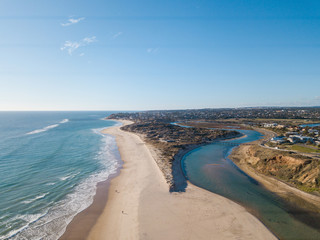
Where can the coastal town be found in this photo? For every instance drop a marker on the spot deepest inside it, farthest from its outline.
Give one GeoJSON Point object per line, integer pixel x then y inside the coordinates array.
{"type": "Point", "coordinates": [249, 115]}
{"type": "Point", "coordinates": [291, 125]}
{"type": "Point", "coordinates": [289, 133]}
{"type": "Point", "coordinates": [294, 128]}
{"type": "Point", "coordinates": [296, 137]}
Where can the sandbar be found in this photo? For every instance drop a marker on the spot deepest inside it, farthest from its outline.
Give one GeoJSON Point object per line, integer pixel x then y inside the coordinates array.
{"type": "Point", "coordinates": [140, 206]}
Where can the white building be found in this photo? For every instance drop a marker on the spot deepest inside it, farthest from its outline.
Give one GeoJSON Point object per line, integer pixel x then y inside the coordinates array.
{"type": "Point", "coordinates": [270, 125]}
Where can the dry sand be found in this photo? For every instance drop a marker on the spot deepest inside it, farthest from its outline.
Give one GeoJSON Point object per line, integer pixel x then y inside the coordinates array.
{"type": "Point", "coordinates": [140, 206]}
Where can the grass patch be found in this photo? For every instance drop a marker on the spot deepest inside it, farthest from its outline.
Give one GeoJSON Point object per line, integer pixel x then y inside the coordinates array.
{"type": "Point", "coordinates": [307, 189]}
{"type": "Point", "coordinates": [304, 149]}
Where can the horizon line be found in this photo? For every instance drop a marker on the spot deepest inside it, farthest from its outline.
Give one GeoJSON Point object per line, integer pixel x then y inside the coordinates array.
{"type": "Point", "coordinates": [173, 109]}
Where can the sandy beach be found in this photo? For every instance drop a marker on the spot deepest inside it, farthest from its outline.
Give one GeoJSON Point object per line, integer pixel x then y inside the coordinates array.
{"type": "Point", "coordinates": [139, 204]}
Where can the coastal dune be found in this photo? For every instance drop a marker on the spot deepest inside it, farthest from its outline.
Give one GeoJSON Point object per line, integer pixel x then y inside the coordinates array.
{"type": "Point", "coordinates": [140, 205]}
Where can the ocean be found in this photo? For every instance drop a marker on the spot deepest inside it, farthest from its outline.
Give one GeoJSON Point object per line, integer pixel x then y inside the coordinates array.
{"type": "Point", "coordinates": [50, 163]}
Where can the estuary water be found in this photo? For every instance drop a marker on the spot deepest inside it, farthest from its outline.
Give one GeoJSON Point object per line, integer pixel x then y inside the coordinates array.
{"type": "Point", "coordinates": [310, 125]}
{"type": "Point", "coordinates": [50, 163]}
{"type": "Point", "coordinates": [209, 167]}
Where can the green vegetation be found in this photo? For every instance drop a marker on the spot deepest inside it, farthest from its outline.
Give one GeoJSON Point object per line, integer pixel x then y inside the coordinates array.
{"type": "Point", "coordinates": [307, 189]}
{"type": "Point", "coordinates": [270, 144]}
{"type": "Point", "coordinates": [251, 116]}
{"type": "Point", "coordinates": [304, 149]}
{"type": "Point", "coordinates": [300, 148]}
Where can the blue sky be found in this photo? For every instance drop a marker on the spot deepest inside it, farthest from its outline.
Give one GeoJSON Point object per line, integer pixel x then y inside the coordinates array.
{"type": "Point", "coordinates": [168, 54]}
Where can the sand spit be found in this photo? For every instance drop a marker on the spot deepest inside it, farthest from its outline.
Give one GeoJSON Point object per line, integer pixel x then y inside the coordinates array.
{"type": "Point", "coordinates": [140, 206]}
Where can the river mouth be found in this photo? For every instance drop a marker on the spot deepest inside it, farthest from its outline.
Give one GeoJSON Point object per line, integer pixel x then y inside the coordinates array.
{"type": "Point", "coordinates": [209, 167]}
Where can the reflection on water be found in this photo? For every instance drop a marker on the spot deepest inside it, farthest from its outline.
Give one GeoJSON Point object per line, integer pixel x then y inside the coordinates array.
{"type": "Point", "coordinates": [209, 168]}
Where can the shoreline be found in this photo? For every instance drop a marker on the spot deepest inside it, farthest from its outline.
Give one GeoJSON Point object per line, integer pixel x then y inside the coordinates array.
{"type": "Point", "coordinates": [82, 223]}
{"type": "Point", "coordinates": [285, 191]}
{"type": "Point", "coordinates": [182, 153]}
{"type": "Point", "coordinates": [179, 177]}
{"type": "Point", "coordinates": [140, 206]}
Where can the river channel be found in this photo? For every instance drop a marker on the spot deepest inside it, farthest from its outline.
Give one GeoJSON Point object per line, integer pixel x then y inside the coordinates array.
{"type": "Point", "coordinates": [210, 168]}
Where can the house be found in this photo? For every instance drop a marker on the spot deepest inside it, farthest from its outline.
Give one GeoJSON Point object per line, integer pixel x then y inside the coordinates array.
{"type": "Point", "coordinates": [294, 138]}
{"type": "Point", "coordinates": [270, 125]}
{"type": "Point", "coordinates": [306, 139]}
{"type": "Point", "coordinates": [314, 131]}
{"type": "Point", "coordinates": [299, 139]}
{"type": "Point", "coordinates": [278, 140]}
{"type": "Point", "coordinates": [291, 133]}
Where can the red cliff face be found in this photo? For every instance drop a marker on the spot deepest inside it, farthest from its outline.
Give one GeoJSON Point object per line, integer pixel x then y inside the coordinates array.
{"type": "Point", "coordinates": [303, 172]}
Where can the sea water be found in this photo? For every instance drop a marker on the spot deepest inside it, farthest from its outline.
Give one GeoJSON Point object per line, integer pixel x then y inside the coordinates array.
{"type": "Point", "coordinates": [50, 163]}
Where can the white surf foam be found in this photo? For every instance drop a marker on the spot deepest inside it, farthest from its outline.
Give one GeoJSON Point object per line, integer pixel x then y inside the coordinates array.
{"type": "Point", "coordinates": [29, 219]}
{"type": "Point", "coordinates": [68, 176]}
{"type": "Point", "coordinates": [53, 224]}
{"type": "Point", "coordinates": [43, 129]}
{"type": "Point", "coordinates": [64, 121]}
{"type": "Point", "coordinates": [64, 178]}
{"type": "Point", "coordinates": [47, 127]}
{"type": "Point", "coordinates": [35, 198]}
{"type": "Point", "coordinates": [51, 183]}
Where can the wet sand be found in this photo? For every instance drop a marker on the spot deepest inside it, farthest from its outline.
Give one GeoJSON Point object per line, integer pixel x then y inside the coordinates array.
{"type": "Point", "coordinates": [81, 225]}
{"type": "Point", "coordinates": [140, 206]}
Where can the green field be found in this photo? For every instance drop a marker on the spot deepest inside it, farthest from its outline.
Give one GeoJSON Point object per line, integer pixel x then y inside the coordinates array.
{"type": "Point", "coordinates": [267, 120]}
{"type": "Point", "coordinates": [304, 149]}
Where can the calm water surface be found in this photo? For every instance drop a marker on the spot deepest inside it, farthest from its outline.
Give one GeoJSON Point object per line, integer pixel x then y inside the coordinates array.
{"type": "Point", "coordinates": [208, 167]}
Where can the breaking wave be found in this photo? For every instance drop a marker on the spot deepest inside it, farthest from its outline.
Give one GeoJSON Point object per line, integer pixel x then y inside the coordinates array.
{"type": "Point", "coordinates": [52, 224]}
{"type": "Point", "coordinates": [48, 127]}
{"type": "Point", "coordinates": [35, 198]}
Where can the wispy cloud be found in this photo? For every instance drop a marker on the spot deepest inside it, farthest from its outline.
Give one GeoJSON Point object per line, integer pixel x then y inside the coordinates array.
{"type": "Point", "coordinates": [117, 35]}
{"type": "Point", "coordinates": [152, 50]}
{"type": "Point", "coordinates": [70, 46]}
{"type": "Point", "coordinates": [72, 21]}
{"type": "Point", "coordinates": [88, 40]}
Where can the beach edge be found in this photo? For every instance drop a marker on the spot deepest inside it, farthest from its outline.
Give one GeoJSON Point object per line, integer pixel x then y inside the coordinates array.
{"type": "Point", "coordinates": [145, 209]}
